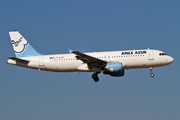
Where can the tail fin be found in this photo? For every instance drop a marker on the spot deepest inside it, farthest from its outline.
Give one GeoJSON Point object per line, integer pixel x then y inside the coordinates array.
{"type": "Point", "coordinates": [21, 47]}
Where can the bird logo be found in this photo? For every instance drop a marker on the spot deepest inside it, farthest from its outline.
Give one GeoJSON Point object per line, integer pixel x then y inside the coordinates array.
{"type": "Point", "coordinates": [16, 43]}
{"type": "Point", "coordinates": [19, 45]}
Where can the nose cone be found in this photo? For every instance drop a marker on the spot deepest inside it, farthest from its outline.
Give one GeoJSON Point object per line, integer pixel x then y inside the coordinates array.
{"type": "Point", "coordinates": [170, 60]}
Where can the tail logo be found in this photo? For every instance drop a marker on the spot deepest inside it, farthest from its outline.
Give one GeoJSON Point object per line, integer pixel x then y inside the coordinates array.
{"type": "Point", "coordinates": [16, 43]}
{"type": "Point", "coordinates": [20, 45]}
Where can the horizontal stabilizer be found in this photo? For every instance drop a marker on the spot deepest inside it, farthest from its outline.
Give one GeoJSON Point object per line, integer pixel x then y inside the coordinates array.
{"type": "Point", "coordinates": [18, 59]}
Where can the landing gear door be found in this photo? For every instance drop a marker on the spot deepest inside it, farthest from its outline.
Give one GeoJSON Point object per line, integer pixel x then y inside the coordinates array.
{"type": "Point", "coordinates": [150, 55]}
{"type": "Point", "coordinates": [41, 61]}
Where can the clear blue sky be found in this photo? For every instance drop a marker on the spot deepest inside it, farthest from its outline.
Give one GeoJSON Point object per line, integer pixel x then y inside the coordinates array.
{"type": "Point", "coordinates": [52, 27]}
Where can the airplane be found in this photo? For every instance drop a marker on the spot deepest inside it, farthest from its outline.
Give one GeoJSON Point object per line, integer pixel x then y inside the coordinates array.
{"type": "Point", "coordinates": [111, 63]}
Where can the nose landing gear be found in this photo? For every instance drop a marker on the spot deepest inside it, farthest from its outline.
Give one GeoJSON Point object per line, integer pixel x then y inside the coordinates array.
{"type": "Point", "coordinates": [152, 75]}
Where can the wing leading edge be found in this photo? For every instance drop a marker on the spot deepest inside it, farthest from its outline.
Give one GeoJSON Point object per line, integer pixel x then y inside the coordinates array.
{"type": "Point", "coordinates": [87, 58]}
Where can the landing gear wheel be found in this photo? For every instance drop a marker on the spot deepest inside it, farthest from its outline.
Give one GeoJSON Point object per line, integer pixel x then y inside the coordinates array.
{"type": "Point", "coordinates": [152, 75]}
{"type": "Point", "coordinates": [95, 77]}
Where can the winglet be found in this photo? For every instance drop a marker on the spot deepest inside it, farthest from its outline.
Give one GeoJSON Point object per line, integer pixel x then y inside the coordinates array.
{"type": "Point", "coordinates": [70, 51]}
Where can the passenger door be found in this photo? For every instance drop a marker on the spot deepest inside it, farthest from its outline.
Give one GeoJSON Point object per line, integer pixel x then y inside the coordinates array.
{"type": "Point", "coordinates": [150, 55]}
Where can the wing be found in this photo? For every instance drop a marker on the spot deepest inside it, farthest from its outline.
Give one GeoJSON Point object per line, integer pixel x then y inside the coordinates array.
{"type": "Point", "coordinates": [89, 59]}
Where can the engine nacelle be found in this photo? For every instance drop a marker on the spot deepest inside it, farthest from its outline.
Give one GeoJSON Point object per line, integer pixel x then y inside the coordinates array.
{"type": "Point", "coordinates": [113, 67]}
{"type": "Point", "coordinates": [115, 74]}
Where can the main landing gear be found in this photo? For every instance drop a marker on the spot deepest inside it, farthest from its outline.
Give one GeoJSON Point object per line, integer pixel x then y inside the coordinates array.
{"type": "Point", "coordinates": [95, 77]}
{"type": "Point", "coordinates": [152, 75]}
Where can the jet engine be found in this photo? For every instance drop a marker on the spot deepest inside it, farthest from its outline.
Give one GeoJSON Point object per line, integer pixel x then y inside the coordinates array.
{"type": "Point", "coordinates": [115, 74]}
{"type": "Point", "coordinates": [113, 67]}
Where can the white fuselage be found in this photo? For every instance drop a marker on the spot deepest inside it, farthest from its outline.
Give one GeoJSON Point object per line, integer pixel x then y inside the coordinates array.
{"type": "Point", "coordinates": [130, 59]}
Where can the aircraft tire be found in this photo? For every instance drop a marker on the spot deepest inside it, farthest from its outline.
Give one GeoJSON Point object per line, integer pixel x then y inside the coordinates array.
{"type": "Point", "coordinates": [95, 77]}
{"type": "Point", "coordinates": [152, 75]}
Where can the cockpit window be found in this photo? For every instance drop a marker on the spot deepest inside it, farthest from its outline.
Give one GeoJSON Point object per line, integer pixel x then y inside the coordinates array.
{"type": "Point", "coordinates": [162, 54]}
